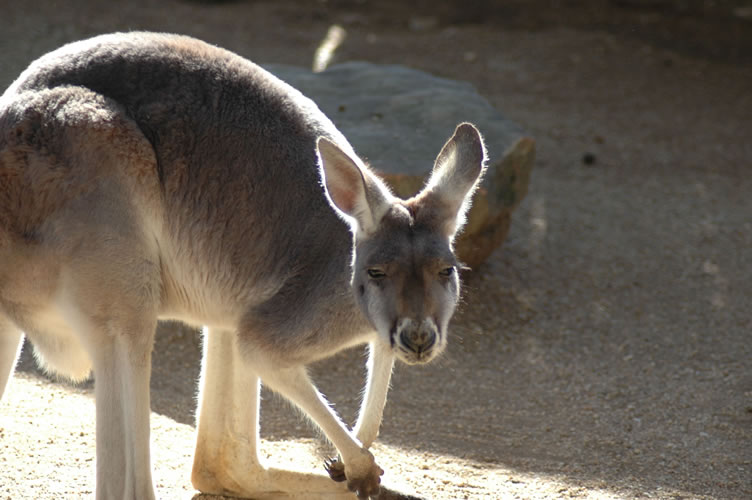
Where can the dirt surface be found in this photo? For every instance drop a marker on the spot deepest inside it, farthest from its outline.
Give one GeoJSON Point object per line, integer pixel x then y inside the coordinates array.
{"type": "Point", "coordinates": [603, 352]}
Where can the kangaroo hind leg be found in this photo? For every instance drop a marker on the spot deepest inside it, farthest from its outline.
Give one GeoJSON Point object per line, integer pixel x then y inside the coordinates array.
{"type": "Point", "coordinates": [11, 340]}
{"type": "Point", "coordinates": [122, 368]}
{"type": "Point", "coordinates": [226, 460]}
{"type": "Point", "coordinates": [226, 457]}
{"type": "Point", "coordinates": [90, 212]}
{"type": "Point", "coordinates": [118, 331]}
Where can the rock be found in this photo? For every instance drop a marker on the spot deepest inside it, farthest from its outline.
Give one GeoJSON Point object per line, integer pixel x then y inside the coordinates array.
{"type": "Point", "coordinates": [398, 118]}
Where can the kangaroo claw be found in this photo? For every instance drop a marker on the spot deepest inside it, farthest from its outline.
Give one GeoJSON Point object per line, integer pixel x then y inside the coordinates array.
{"type": "Point", "coordinates": [335, 468]}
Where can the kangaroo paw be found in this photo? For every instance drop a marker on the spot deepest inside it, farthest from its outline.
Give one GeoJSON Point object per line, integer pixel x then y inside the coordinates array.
{"type": "Point", "coordinates": [363, 475]}
{"type": "Point", "coordinates": [335, 468]}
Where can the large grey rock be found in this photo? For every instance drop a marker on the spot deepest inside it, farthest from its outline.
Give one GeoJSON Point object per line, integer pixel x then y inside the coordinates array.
{"type": "Point", "coordinates": [398, 119]}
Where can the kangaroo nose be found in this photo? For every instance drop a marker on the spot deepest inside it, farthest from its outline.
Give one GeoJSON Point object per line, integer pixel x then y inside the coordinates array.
{"type": "Point", "coordinates": [419, 339]}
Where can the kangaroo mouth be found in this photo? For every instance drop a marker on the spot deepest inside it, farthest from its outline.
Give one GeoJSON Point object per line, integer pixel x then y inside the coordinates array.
{"type": "Point", "coordinates": [415, 359]}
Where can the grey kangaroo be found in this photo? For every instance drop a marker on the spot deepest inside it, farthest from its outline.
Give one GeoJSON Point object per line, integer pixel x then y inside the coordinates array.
{"type": "Point", "coordinates": [151, 176]}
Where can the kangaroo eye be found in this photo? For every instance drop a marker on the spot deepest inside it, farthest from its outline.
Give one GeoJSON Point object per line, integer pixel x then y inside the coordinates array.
{"type": "Point", "coordinates": [376, 274]}
{"type": "Point", "coordinates": [446, 272]}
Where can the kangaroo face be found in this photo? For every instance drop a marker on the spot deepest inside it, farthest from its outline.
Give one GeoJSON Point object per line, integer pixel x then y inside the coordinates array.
{"type": "Point", "coordinates": [404, 272]}
{"type": "Point", "coordinates": [405, 281]}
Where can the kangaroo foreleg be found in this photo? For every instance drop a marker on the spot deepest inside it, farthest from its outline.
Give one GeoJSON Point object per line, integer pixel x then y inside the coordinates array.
{"type": "Point", "coordinates": [361, 471]}
{"type": "Point", "coordinates": [380, 364]}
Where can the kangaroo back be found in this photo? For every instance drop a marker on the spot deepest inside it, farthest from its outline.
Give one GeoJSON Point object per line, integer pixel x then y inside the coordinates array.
{"type": "Point", "coordinates": [235, 186]}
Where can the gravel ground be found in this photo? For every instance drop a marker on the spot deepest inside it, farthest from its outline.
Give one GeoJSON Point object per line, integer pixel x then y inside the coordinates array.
{"type": "Point", "coordinates": [603, 352]}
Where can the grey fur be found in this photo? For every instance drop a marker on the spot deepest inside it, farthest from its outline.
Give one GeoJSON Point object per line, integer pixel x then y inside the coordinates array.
{"type": "Point", "coordinates": [148, 176]}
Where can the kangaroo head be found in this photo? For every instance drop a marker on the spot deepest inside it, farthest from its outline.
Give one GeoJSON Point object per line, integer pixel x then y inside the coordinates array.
{"type": "Point", "coordinates": [404, 271]}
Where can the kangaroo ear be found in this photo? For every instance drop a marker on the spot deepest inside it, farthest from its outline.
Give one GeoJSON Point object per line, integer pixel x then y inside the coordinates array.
{"type": "Point", "coordinates": [353, 191]}
{"type": "Point", "coordinates": [456, 173]}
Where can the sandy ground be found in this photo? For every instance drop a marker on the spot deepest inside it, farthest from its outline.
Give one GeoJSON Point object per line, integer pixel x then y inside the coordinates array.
{"type": "Point", "coordinates": [603, 352]}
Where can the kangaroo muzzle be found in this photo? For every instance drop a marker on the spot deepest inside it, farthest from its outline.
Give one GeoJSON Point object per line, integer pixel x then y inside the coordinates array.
{"type": "Point", "coordinates": [417, 340]}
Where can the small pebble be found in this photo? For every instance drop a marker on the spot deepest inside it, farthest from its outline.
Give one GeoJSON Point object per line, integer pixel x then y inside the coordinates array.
{"type": "Point", "coordinates": [423, 23]}
{"type": "Point", "coordinates": [588, 159]}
